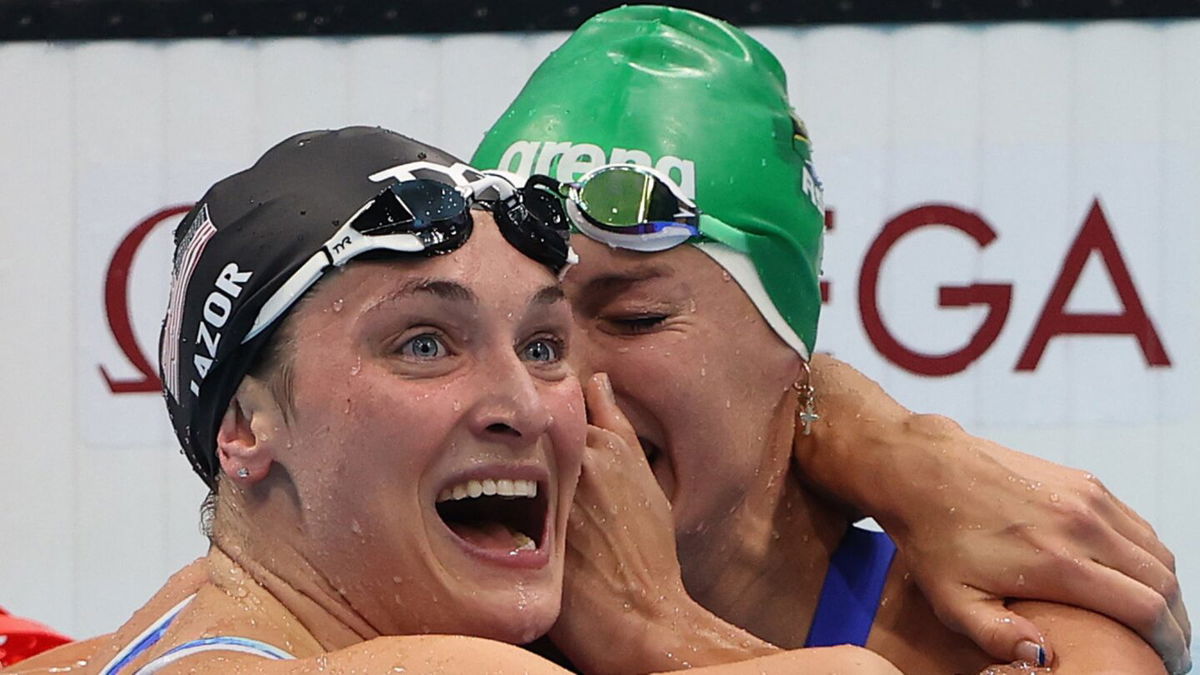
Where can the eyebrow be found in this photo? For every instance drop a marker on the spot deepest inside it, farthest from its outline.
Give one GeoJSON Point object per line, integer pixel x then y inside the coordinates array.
{"type": "Point", "coordinates": [439, 288]}
{"type": "Point", "coordinates": [456, 292]}
{"type": "Point", "coordinates": [616, 281]}
{"type": "Point", "coordinates": [548, 296]}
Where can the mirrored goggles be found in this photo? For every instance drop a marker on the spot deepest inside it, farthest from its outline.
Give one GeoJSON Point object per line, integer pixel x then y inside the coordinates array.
{"type": "Point", "coordinates": [629, 206]}
{"type": "Point", "coordinates": [428, 217]}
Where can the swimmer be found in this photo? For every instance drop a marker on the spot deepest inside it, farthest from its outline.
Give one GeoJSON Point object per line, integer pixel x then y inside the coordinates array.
{"type": "Point", "coordinates": [364, 357]}
{"type": "Point", "coordinates": [713, 376]}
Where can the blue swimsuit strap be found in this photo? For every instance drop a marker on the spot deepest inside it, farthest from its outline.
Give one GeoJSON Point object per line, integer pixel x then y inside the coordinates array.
{"type": "Point", "coordinates": [146, 640]}
{"type": "Point", "coordinates": [154, 633]}
{"type": "Point", "coordinates": [853, 587]}
{"type": "Point", "coordinates": [224, 643]}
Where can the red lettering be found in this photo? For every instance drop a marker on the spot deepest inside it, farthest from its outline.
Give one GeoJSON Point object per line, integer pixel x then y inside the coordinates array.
{"type": "Point", "coordinates": [116, 307]}
{"type": "Point", "coordinates": [1096, 235]}
{"type": "Point", "coordinates": [997, 297]}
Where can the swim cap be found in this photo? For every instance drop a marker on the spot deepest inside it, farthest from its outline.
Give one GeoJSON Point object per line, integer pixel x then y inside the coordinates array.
{"type": "Point", "coordinates": [245, 238]}
{"type": "Point", "coordinates": [705, 104]}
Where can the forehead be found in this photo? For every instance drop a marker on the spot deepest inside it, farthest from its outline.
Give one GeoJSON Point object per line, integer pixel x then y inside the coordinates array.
{"type": "Point", "coordinates": [486, 269]}
{"type": "Point", "coordinates": [602, 267]}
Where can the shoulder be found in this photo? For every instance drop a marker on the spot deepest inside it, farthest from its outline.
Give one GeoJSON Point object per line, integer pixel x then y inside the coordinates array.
{"type": "Point", "coordinates": [410, 654]}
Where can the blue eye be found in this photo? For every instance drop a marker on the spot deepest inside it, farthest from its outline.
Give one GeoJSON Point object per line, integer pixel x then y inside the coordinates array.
{"type": "Point", "coordinates": [542, 349]}
{"type": "Point", "coordinates": [423, 347]}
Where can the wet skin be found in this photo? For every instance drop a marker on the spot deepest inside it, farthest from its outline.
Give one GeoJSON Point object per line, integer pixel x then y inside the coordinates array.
{"type": "Point", "coordinates": [408, 378]}
{"type": "Point", "coordinates": [707, 387]}
{"type": "Point", "coordinates": [703, 379]}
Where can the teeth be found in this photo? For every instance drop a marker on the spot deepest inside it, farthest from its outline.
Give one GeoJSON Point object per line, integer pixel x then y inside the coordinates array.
{"type": "Point", "coordinates": [523, 542]}
{"type": "Point", "coordinates": [503, 487]}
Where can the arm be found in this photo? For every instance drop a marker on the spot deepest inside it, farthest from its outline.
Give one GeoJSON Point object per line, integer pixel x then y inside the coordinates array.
{"type": "Point", "coordinates": [1093, 644]}
{"type": "Point", "coordinates": [623, 580]}
{"type": "Point", "coordinates": [1090, 644]}
{"type": "Point", "coordinates": [411, 654]}
{"type": "Point", "coordinates": [814, 661]}
{"type": "Point", "coordinates": [1021, 539]}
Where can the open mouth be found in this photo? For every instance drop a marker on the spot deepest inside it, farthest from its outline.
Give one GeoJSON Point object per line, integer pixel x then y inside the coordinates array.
{"type": "Point", "coordinates": [496, 515]}
{"type": "Point", "coordinates": [653, 452]}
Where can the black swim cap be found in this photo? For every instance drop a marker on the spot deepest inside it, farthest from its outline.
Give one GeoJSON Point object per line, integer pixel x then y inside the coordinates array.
{"type": "Point", "coordinates": [242, 240]}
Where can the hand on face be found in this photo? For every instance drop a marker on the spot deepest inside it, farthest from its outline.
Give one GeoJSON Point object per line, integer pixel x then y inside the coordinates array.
{"type": "Point", "coordinates": [622, 571]}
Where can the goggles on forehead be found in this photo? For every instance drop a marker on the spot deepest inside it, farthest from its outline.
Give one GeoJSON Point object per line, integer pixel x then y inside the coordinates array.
{"type": "Point", "coordinates": [634, 207]}
{"type": "Point", "coordinates": [421, 216]}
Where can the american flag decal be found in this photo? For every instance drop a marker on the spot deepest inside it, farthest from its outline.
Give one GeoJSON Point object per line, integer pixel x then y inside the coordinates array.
{"type": "Point", "coordinates": [187, 254]}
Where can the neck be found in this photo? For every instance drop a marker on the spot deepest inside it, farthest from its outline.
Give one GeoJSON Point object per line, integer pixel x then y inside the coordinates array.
{"type": "Point", "coordinates": [766, 571]}
{"type": "Point", "coordinates": [249, 559]}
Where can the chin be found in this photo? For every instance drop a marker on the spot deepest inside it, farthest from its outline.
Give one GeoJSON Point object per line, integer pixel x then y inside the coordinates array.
{"type": "Point", "coordinates": [522, 616]}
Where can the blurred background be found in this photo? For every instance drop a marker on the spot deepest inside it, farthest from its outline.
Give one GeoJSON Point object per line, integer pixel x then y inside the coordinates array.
{"type": "Point", "coordinates": [1013, 238]}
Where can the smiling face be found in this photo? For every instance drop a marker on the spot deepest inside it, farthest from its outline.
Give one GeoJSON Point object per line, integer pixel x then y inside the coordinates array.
{"type": "Point", "coordinates": [700, 374]}
{"type": "Point", "coordinates": [434, 440]}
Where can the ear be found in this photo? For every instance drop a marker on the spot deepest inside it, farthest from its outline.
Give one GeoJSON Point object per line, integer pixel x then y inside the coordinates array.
{"type": "Point", "coordinates": [249, 433]}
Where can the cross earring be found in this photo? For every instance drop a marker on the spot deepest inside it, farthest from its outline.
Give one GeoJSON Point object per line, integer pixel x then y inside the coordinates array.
{"type": "Point", "coordinates": [807, 399]}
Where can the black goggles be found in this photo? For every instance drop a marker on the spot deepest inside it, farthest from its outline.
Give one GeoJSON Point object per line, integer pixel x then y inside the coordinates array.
{"type": "Point", "coordinates": [428, 217]}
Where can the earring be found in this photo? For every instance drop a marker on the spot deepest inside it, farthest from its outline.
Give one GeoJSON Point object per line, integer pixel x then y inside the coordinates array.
{"type": "Point", "coordinates": [243, 472]}
{"type": "Point", "coordinates": [807, 400]}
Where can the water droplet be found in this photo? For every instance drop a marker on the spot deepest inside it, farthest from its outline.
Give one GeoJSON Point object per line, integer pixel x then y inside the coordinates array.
{"type": "Point", "coordinates": [1054, 497]}
{"type": "Point", "coordinates": [337, 304]}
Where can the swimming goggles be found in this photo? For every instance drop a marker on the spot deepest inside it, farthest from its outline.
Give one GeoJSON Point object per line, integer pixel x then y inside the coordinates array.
{"type": "Point", "coordinates": [429, 217]}
{"type": "Point", "coordinates": [634, 207]}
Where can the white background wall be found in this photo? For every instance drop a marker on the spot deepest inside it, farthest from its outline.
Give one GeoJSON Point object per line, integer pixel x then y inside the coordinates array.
{"type": "Point", "coordinates": [1024, 124]}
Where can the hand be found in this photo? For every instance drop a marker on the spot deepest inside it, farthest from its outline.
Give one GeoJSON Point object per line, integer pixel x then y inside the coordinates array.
{"type": "Point", "coordinates": [622, 578]}
{"type": "Point", "coordinates": [979, 523]}
{"type": "Point", "coordinates": [621, 568]}
{"type": "Point", "coordinates": [1010, 525]}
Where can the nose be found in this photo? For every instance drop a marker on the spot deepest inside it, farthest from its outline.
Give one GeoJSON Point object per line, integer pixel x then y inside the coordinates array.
{"type": "Point", "coordinates": [510, 408]}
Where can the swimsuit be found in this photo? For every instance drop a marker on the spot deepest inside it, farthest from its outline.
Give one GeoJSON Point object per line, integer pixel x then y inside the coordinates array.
{"type": "Point", "coordinates": [853, 586]}
{"type": "Point", "coordinates": [154, 633]}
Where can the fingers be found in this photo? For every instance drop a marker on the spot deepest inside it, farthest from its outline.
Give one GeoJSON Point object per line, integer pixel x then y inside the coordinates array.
{"type": "Point", "coordinates": [1003, 634]}
{"type": "Point", "coordinates": [604, 412]}
{"type": "Point", "coordinates": [1126, 544]}
{"type": "Point", "coordinates": [1133, 561]}
{"type": "Point", "coordinates": [1126, 521]}
{"type": "Point", "coordinates": [1110, 592]}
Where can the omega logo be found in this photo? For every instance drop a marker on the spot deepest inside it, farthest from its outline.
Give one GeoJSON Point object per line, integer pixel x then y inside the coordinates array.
{"type": "Point", "coordinates": [1054, 320]}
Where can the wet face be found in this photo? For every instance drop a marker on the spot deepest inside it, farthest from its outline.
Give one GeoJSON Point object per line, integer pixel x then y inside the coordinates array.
{"type": "Point", "coordinates": [698, 371]}
{"type": "Point", "coordinates": [435, 439]}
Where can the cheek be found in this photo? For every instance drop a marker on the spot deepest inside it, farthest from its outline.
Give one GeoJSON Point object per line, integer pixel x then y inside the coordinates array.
{"type": "Point", "coordinates": [568, 433]}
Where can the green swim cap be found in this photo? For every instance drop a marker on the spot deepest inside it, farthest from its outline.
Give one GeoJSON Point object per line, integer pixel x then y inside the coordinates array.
{"type": "Point", "coordinates": [705, 104]}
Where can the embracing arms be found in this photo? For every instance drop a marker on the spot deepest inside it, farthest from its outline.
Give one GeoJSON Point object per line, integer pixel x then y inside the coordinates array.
{"type": "Point", "coordinates": [882, 461]}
